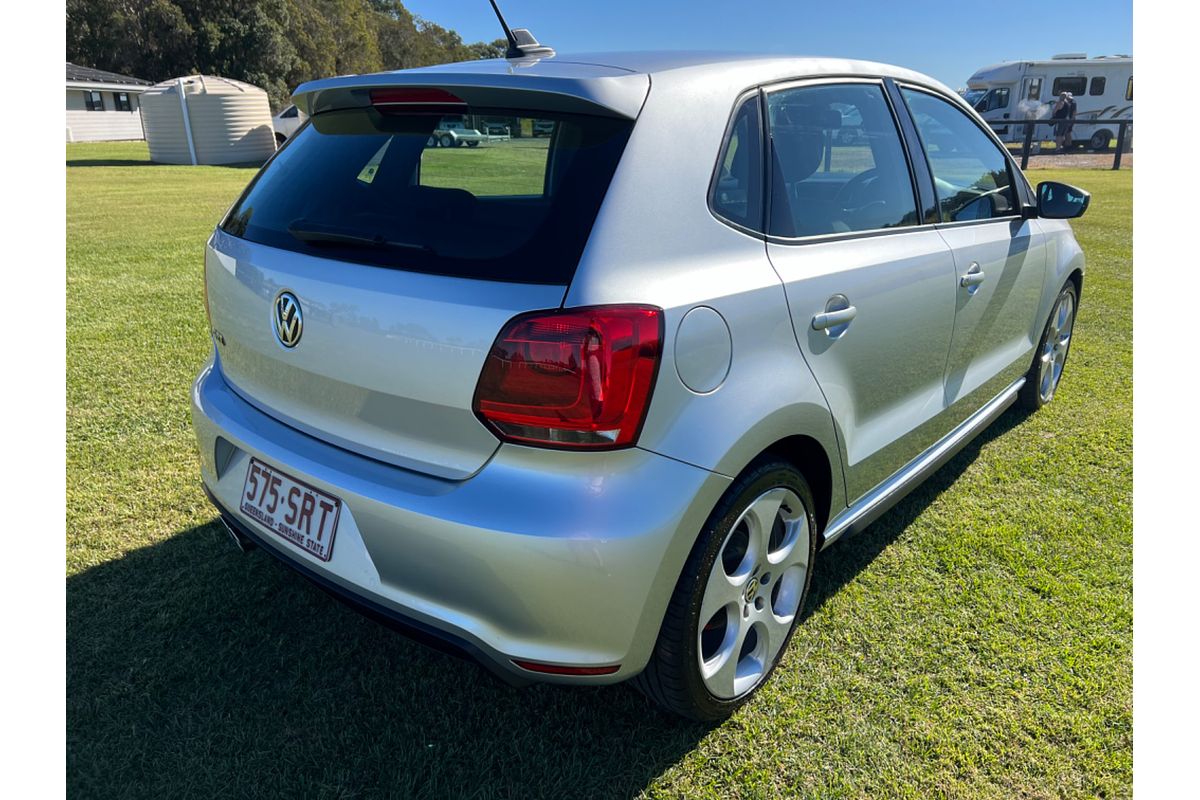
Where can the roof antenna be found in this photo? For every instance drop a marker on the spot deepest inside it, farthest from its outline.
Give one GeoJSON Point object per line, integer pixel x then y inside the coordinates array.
{"type": "Point", "coordinates": [521, 43]}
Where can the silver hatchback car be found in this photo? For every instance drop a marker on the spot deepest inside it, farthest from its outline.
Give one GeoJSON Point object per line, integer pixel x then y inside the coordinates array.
{"type": "Point", "coordinates": [587, 405]}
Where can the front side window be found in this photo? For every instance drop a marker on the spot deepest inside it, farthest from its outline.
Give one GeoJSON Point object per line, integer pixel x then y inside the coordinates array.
{"type": "Point", "coordinates": [94, 101]}
{"type": "Point", "coordinates": [121, 101]}
{"type": "Point", "coordinates": [737, 187]}
{"type": "Point", "coordinates": [365, 185]}
{"type": "Point", "coordinates": [837, 162]}
{"type": "Point", "coordinates": [1072, 85]}
{"type": "Point", "coordinates": [970, 172]}
{"type": "Point", "coordinates": [1097, 86]}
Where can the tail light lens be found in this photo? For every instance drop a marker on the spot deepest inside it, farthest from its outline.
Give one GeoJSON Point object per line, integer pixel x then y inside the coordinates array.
{"type": "Point", "coordinates": [579, 378]}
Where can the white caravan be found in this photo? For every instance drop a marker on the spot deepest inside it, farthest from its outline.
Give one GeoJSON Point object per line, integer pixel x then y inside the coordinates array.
{"type": "Point", "coordinates": [1102, 87]}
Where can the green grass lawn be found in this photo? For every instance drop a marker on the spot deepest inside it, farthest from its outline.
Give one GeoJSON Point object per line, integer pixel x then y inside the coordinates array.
{"type": "Point", "coordinates": [975, 642]}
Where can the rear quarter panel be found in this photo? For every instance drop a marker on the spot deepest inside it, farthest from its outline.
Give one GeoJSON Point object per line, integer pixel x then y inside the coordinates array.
{"type": "Point", "coordinates": [655, 241]}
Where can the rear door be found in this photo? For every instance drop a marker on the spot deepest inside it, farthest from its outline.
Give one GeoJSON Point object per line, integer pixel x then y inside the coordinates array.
{"type": "Point", "coordinates": [999, 257]}
{"type": "Point", "coordinates": [870, 287]}
{"type": "Point", "coordinates": [357, 286]}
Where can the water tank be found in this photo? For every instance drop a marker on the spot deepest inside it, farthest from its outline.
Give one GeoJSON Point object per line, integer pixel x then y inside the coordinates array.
{"type": "Point", "coordinates": [229, 121]}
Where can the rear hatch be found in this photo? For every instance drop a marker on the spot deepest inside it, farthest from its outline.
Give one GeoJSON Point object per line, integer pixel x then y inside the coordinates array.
{"type": "Point", "coordinates": [356, 287]}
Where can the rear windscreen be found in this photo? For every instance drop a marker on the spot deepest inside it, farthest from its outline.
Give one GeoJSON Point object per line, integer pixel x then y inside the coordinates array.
{"type": "Point", "coordinates": [480, 195]}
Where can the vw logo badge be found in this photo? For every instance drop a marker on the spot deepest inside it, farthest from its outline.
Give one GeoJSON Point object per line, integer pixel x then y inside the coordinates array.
{"type": "Point", "coordinates": [287, 320]}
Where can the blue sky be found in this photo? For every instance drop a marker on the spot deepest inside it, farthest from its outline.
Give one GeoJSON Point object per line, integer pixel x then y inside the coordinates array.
{"type": "Point", "coordinates": [946, 40]}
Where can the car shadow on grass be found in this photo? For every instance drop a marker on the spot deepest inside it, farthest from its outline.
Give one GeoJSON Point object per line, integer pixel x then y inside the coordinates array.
{"type": "Point", "coordinates": [845, 559]}
{"type": "Point", "coordinates": [194, 670]}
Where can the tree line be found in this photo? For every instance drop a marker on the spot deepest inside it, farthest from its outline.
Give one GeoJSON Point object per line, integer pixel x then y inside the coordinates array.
{"type": "Point", "coordinates": [273, 44]}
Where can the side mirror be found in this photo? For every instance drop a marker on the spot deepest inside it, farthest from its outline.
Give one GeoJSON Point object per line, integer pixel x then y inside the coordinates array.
{"type": "Point", "coordinates": [1061, 201]}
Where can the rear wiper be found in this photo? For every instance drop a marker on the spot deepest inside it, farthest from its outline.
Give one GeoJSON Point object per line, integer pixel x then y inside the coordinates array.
{"type": "Point", "coordinates": [337, 238]}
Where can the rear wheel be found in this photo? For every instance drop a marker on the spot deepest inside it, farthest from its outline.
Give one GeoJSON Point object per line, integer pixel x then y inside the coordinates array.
{"type": "Point", "coordinates": [432, 142]}
{"type": "Point", "coordinates": [472, 144]}
{"type": "Point", "coordinates": [1100, 140]}
{"type": "Point", "coordinates": [1050, 358]}
{"type": "Point", "coordinates": [739, 596]}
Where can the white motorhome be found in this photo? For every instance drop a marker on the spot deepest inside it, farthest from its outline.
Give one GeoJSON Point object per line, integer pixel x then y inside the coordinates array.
{"type": "Point", "coordinates": [1102, 88]}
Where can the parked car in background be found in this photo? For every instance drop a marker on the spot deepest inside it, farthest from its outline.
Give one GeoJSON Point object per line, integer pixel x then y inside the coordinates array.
{"type": "Point", "coordinates": [543, 127]}
{"type": "Point", "coordinates": [287, 122]}
{"type": "Point", "coordinates": [453, 133]}
{"type": "Point", "coordinates": [594, 416]}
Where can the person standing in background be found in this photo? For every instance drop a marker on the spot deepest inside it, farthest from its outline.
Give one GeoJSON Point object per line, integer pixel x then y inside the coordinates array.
{"type": "Point", "coordinates": [1064, 116]}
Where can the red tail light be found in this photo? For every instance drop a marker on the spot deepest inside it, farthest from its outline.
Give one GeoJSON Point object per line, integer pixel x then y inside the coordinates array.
{"type": "Point", "coordinates": [417, 100]}
{"type": "Point", "coordinates": [579, 378]}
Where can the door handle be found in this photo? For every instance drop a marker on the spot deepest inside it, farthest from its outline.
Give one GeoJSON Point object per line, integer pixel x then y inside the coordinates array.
{"type": "Point", "coordinates": [835, 318]}
{"type": "Point", "coordinates": [973, 277]}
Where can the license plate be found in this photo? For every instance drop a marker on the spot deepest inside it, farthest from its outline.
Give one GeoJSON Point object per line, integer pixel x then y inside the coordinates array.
{"type": "Point", "coordinates": [291, 509]}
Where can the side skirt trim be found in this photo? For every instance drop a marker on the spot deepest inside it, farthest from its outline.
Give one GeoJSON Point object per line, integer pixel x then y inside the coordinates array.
{"type": "Point", "coordinates": [874, 503]}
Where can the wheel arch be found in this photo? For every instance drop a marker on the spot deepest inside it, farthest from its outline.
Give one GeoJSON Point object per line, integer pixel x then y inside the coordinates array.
{"type": "Point", "coordinates": [808, 456]}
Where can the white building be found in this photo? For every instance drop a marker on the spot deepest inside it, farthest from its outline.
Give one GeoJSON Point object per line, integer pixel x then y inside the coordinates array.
{"type": "Point", "coordinates": [103, 106]}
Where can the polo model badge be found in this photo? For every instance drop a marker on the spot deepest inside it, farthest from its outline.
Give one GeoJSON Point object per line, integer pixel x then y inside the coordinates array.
{"type": "Point", "coordinates": [287, 320]}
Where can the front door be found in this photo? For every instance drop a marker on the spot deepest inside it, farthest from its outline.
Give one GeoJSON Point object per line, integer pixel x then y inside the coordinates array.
{"type": "Point", "coordinates": [871, 293]}
{"type": "Point", "coordinates": [999, 257]}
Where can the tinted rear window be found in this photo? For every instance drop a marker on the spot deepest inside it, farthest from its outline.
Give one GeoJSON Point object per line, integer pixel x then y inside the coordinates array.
{"type": "Point", "coordinates": [438, 194]}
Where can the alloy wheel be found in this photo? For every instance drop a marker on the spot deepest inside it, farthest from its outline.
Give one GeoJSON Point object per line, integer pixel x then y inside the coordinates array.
{"type": "Point", "coordinates": [1054, 350]}
{"type": "Point", "coordinates": [753, 593]}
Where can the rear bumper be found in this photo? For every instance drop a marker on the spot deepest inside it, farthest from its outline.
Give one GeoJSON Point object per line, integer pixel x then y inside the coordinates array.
{"type": "Point", "coordinates": [546, 556]}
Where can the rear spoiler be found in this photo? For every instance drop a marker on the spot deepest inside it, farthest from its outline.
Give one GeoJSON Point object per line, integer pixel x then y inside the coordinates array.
{"type": "Point", "coordinates": [571, 88]}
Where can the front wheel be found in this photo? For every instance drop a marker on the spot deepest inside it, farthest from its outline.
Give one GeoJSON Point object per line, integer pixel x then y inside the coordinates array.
{"type": "Point", "coordinates": [1050, 357]}
{"type": "Point", "coordinates": [447, 140]}
{"type": "Point", "coordinates": [472, 144]}
{"type": "Point", "coordinates": [738, 599]}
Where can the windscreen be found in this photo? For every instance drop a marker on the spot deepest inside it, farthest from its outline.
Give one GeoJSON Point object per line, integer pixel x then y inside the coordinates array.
{"type": "Point", "coordinates": [490, 193]}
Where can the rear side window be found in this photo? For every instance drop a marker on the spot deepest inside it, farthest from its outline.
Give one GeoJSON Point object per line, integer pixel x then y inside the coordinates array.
{"type": "Point", "coordinates": [432, 193]}
{"type": "Point", "coordinates": [737, 187]}
{"type": "Point", "coordinates": [1097, 86]}
{"type": "Point", "coordinates": [837, 162]}
{"type": "Point", "coordinates": [970, 173]}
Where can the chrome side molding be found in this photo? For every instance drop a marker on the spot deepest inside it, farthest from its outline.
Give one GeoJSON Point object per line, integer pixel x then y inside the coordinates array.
{"type": "Point", "coordinates": [874, 503]}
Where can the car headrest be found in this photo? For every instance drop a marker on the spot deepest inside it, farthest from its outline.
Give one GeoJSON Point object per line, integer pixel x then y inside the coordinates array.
{"type": "Point", "coordinates": [798, 151]}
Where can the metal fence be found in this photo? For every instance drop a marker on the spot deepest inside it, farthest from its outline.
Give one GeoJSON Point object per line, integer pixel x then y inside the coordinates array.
{"type": "Point", "coordinates": [1030, 126]}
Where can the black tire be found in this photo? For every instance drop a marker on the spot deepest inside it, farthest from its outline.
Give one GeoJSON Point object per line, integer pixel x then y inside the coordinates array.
{"type": "Point", "coordinates": [672, 678]}
{"type": "Point", "coordinates": [1031, 395]}
{"type": "Point", "coordinates": [432, 142]}
{"type": "Point", "coordinates": [472, 144]}
{"type": "Point", "coordinates": [446, 140]}
{"type": "Point", "coordinates": [1100, 141]}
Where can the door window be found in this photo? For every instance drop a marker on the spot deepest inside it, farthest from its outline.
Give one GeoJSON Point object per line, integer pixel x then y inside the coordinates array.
{"type": "Point", "coordinates": [970, 172]}
{"type": "Point", "coordinates": [1097, 86]}
{"type": "Point", "coordinates": [1035, 89]}
{"type": "Point", "coordinates": [837, 162]}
